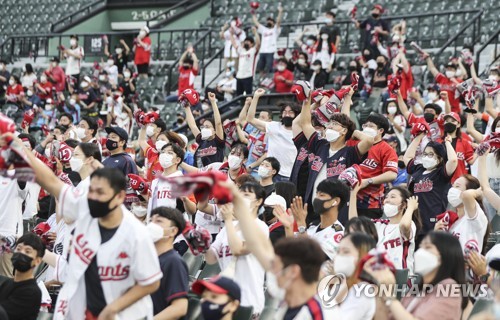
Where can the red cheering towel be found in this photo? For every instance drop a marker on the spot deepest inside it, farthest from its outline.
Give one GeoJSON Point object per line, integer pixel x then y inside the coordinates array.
{"type": "Point", "coordinates": [449, 217]}
{"type": "Point", "coordinates": [198, 238]}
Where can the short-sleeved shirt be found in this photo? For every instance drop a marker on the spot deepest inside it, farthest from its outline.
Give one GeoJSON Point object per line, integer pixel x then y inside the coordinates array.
{"type": "Point", "coordinates": [368, 26]}
{"type": "Point", "coordinates": [329, 238]}
{"type": "Point", "coordinates": [449, 86]}
{"type": "Point", "coordinates": [257, 143]}
{"type": "Point", "coordinates": [470, 231]}
{"type": "Point", "coordinates": [319, 155]}
{"type": "Point", "coordinates": [120, 62]}
{"type": "Point", "coordinates": [175, 281]}
{"type": "Point", "coordinates": [88, 96]}
{"type": "Point", "coordinates": [74, 64]}
{"type": "Point", "coordinates": [229, 50]}
{"type": "Point", "coordinates": [300, 171]}
{"type": "Point", "coordinates": [280, 145]}
{"type": "Point", "coordinates": [59, 78]}
{"type": "Point", "coordinates": [269, 38]}
{"type": "Point", "coordinates": [143, 55]}
{"type": "Point", "coordinates": [280, 85]}
{"type": "Point", "coordinates": [431, 188]}
{"type": "Point", "coordinates": [381, 158]}
{"type": "Point", "coordinates": [399, 249]}
{"type": "Point", "coordinates": [20, 299]}
{"type": "Point", "coordinates": [186, 78]}
{"type": "Point", "coordinates": [465, 155]}
{"type": "Point", "coordinates": [379, 79]}
{"type": "Point", "coordinates": [246, 63]}
{"type": "Point", "coordinates": [121, 161]}
{"type": "Point", "coordinates": [333, 32]}
{"type": "Point", "coordinates": [210, 151]}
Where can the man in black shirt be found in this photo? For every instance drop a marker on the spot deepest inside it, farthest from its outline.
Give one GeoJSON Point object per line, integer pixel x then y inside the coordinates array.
{"type": "Point", "coordinates": [374, 28]}
{"type": "Point", "coordinates": [268, 169]}
{"type": "Point", "coordinates": [332, 30]}
{"type": "Point", "coordinates": [20, 297]}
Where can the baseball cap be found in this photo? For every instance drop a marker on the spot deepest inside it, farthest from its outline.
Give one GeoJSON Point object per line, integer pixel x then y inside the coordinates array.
{"type": "Point", "coordinates": [273, 199]}
{"type": "Point", "coordinates": [184, 138]}
{"type": "Point", "coordinates": [218, 284]}
{"type": "Point", "coordinates": [87, 79]}
{"type": "Point", "coordinates": [391, 139]}
{"type": "Point", "coordinates": [119, 131]}
{"type": "Point", "coordinates": [453, 115]}
{"type": "Point", "coordinates": [433, 86]}
{"type": "Point", "coordinates": [451, 65]}
{"type": "Point", "coordinates": [379, 7]}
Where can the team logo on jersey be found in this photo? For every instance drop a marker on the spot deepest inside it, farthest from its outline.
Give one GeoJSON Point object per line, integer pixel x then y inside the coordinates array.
{"type": "Point", "coordinates": [209, 151]}
{"type": "Point", "coordinates": [302, 154]}
{"type": "Point", "coordinates": [425, 185]}
{"type": "Point", "coordinates": [82, 251]}
{"type": "Point", "coordinates": [63, 305]}
{"type": "Point", "coordinates": [114, 273]}
{"type": "Point", "coordinates": [123, 255]}
{"type": "Point", "coordinates": [335, 168]}
{"type": "Point", "coordinates": [337, 237]}
{"type": "Point", "coordinates": [316, 164]}
{"type": "Point", "coordinates": [370, 163]}
{"type": "Point", "coordinates": [460, 156]}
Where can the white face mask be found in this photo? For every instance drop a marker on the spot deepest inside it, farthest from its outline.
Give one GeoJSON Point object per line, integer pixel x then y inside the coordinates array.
{"type": "Point", "coordinates": [315, 67]}
{"type": "Point", "coordinates": [118, 50]}
{"type": "Point", "coordinates": [328, 20]}
{"type": "Point", "coordinates": [54, 64]}
{"type": "Point", "coordinates": [390, 210]}
{"type": "Point", "coordinates": [43, 79]}
{"type": "Point", "coordinates": [48, 107]}
{"type": "Point", "coordinates": [324, 36]}
{"type": "Point", "coordinates": [345, 265]}
{"type": "Point", "coordinates": [392, 110]}
{"type": "Point", "coordinates": [126, 75]}
{"type": "Point", "coordinates": [160, 144]}
{"type": "Point", "coordinates": [111, 62]}
{"type": "Point", "coordinates": [84, 84]}
{"type": "Point", "coordinates": [309, 42]}
{"type": "Point", "coordinates": [228, 74]}
{"type": "Point", "coordinates": [263, 172]}
{"type": "Point", "coordinates": [142, 34]}
{"type": "Point", "coordinates": [233, 161]}
{"type": "Point", "coordinates": [29, 93]}
{"type": "Point", "coordinates": [72, 42]}
{"type": "Point", "coordinates": [492, 77]}
{"type": "Point", "coordinates": [72, 102]}
{"type": "Point", "coordinates": [155, 231]}
{"type": "Point", "coordinates": [102, 77]}
{"type": "Point", "coordinates": [432, 96]}
{"type": "Point", "coordinates": [11, 172]}
{"type": "Point", "coordinates": [150, 131]}
{"type": "Point", "coordinates": [281, 68]}
{"type": "Point", "coordinates": [370, 132]}
{"type": "Point", "coordinates": [166, 160]}
{"type": "Point", "coordinates": [206, 133]}
{"type": "Point", "coordinates": [331, 135]}
{"type": "Point", "coordinates": [450, 74]}
{"type": "Point", "coordinates": [301, 61]}
{"type": "Point", "coordinates": [138, 210]}
{"type": "Point", "coordinates": [75, 164]}
{"type": "Point", "coordinates": [429, 162]}
{"type": "Point", "coordinates": [273, 288]}
{"type": "Point", "coordinates": [80, 133]}
{"type": "Point", "coordinates": [12, 82]}
{"type": "Point", "coordinates": [454, 197]}
{"type": "Point", "coordinates": [425, 262]}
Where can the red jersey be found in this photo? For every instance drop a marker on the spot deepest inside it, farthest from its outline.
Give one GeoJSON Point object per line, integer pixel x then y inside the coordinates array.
{"type": "Point", "coordinates": [280, 85]}
{"type": "Point", "coordinates": [449, 86]}
{"type": "Point", "coordinates": [152, 164]}
{"type": "Point", "coordinates": [143, 55]}
{"type": "Point", "coordinates": [465, 154]}
{"type": "Point", "coordinates": [13, 92]}
{"type": "Point", "coordinates": [381, 158]}
{"type": "Point", "coordinates": [186, 79]}
{"type": "Point", "coordinates": [47, 86]}
{"type": "Point", "coordinates": [406, 82]}
{"type": "Point", "coordinates": [59, 77]}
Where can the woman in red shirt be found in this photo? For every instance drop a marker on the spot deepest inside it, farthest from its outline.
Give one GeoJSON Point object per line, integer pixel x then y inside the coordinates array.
{"type": "Point", "coordinates": [143, 52]}
{"type": "Point", "coordinates": [14, 90]}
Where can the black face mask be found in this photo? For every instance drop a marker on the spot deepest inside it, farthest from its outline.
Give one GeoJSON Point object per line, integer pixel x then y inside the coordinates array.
{"type": "Point", "coordinates": [429, 117]}
{"type": "Point", "coordinates": [269, 25]}
{"type": "Point", "coordinates": [268, 214]}
{"type": "Point", "coordinates": [352, 68]}
{"type": "Point", "coordinates": [449, 127]}
{"type": "Point", "coordinates": [380, 65]}
{"type": "Point", "coordinates": [375, 15]}
{"type": "Point", "coordinates": [287, 121]}
{"type": "Point", "coordinates": [185, 67]}
{"type": "Point", "coordinates": [21, 262]}
{"type": "Point", "coordinates": [180, 120]}
{"type": "Point", "coordinates": [100, 209]}
{"type": "Point", "coordinates": [401, 164]}
{"type": "Point", "coordinates": [246, 46]}
{"type": "Point", "coordinates": [212, 311]}
{"type": "Point", "coordinates": [319, 206]}
{"type": "Point", "coordinates": [111, 145]}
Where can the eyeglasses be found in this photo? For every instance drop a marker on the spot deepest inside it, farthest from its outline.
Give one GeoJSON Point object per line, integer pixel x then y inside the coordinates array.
{"type": "Point", "coordinates": [334, 124]}
{"type": "Point", "coordinates": [369, 125]}
{"type": "Point", "coordinates": [429, 155]}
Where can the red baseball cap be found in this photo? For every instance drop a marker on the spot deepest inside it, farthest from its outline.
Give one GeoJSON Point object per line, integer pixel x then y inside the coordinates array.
{"type": "Point", "coordinates": [453, 115]}
{"type": "Point", "coordinates": [379, 7]}
{"type": "Point", "coordinates": [218, 284]}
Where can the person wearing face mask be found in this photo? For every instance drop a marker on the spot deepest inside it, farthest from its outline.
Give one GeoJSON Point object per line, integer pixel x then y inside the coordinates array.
{"type": "Point", "coordinates": [220, 297]}
{"type": "Point", "coordinates": [85, 160]}
{"type": "Point", "coordinates": [433, 94]}
{"type": "Point", "coordinates": [74, 56]}
{"type": "Point", "coordinates": [472, 224]}
{"type": "Point", "coordinates": [324, 51]}
{"type": "Point", "coordinates": [331, 154]}
{"type": "Point", "coordinates": [210, 135]}
{"type": "Point", "coordinates": [14, 90]}
{"type": "Point", "coordinates": [374, 28]}
{"type": "Point", "coordinates": [306, 46]}
{"type": "Point", "coordinates": [29, 76]}
{"type": "Point", "coordinates": [397, 123]}
{"type": "Point", "coordinates": [319, 77]}
{"type": "Point", "coordinates": [247, 50]}
{"type": "Point", "coordinates": [120, 55]}
{"type": "Point", "coordinates": [170, 300]}
{"type": "Point", "coordinates": [274, 203]}
{"type": "Point", "coordinates": [350, 305]}
{"type": "Point", "coordinates": [440, 262]}
{"type": "Point", "coordinates": [227, 86]}
{"type": "Point", "coordinates": [268, 169]}
{"type": "Point", "coordinates": [72, 107]}
{"type": "Point", "coordinates": [430, 180]}
{"type": "Point", "coordinates": [283, 78]}
{"type": "Point", "coordinates": [230, 53]}
{"type": "Point", "coordinates": [89, 97]}
{"type": "Point", "coordinates": [170, 158]}
{"type": "Point", "coordinates": [378, 168]}
{"type": "Point", "coordinates": [188, 70]}
{"type": "Point", "coordinates": [142, 49]}
{"type": "Point", "coordinates": [460, 142]}
{"type": "Point", "coordinates": [447, 82]}
{"type": "Point", "coordinates": [381, 74]}
{"type": "Point", "coordinates": [302, 67]}
{"type": "Point", "coordinates": [280, 136]}
{"type": "Point", "coordinates": [44, 88]}
{"type": "Point", "coordinates": [354, 68]}
{"type": "Point", "coordinates": [31, 99]}
{"type": "Point", "coordinates": [232, 253]}
{"type": "Point", "coordinates": [396, 233]}
{"type": "Point", "coordinates": [20, 297]}
{"type": "Point", "coordinates": [106, 231]}
{"type": "Point", "coordinates": [55, 74]}
{"type": "Point", "coordinates": [270, 33]}
{"type": "Point", "coordinates": [331, 29]}
{"type": "Point", "coordinates": [127, 85]}
{"type": "Point", "coordinates": [112, 71]}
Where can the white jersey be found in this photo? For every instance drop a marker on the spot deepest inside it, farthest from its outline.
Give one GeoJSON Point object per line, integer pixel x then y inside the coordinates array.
{"type": "Point", "coordinates": [399, 249]}
{"type": "Point", "coordinates": [32, 192]}
{"type": "Point", "coordinates": [356, 307]}
{"type": "Point", "coordinates": [246, 63]}
{"type": "Point", "coordinates": [249, 274]}
{"type": "Point", "coordinates": [269, 38]}
{"type": "Point", "coordinates": [280, 145]}
{"type": "Point", "coordinates": [208, 221]}
{"type": "Point", "coordinates": [311, 310]}
{"type": "Point", "coordinates": [127, 259]}
{"type": "Point", "coordinates": [470, 231]}
{"type": "Point", "coordinates": [329, 238]}
{"type": "Point", "coordinates": [73, 65]}
{"type": "Point", "coordinates": [160, 194]}
{"type": "Point", "coordinates": [11, 215]}
{"type": "Point", "coordinates": [229, 50]}
{"type": "Point", "coordinates": [59, 228]}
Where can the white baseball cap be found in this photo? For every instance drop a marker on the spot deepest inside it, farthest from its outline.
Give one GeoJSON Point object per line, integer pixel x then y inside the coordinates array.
{"type": "Point", "coordinates": [184, 138]}
{"type": "Point", "coordinates": [274, 200]}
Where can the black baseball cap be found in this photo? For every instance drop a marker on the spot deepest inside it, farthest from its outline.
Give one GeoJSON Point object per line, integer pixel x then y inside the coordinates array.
{"type": "Point", "coordinates": [218, 284]}
{"type": "Point", "coordinates": [119, 131]}
{"type": "Point", "coordinates": [55, 59]}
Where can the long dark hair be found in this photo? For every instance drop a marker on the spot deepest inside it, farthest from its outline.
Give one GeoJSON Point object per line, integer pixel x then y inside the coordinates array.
{"type": "Point", "coordinates": [497, 151]}
{"type": "Point", "coordinates": [406, 194]}
{"type": "Point", "coordinates": [286, 189]}
{"type": "Point", "coordinates": [319, 44]}
{"type": "Point", "coordinates": [363, 225]}
{"type": "Point", "coordinates": [452, 260]}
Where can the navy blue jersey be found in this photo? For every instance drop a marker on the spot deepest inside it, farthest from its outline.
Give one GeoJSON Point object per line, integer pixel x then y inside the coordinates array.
{"type": "Point", "coordinates": [210, 151]}
{"type": "Point", "coordinates": [300, 170]}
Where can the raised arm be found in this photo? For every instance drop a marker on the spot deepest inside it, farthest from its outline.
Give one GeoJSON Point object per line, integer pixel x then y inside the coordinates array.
{"type": "Point", "coordinates": [488, 106]}
{"type": "Point", "coordinates": [243, 113]}
{"type": "Point", "coordinates": [365, 141]}
{"type": "Point", "coordinates": [469, 199]}
{"type": "Point", "coordinates": [219, 130]}
{"type": "Point", "coordinates": [196, 64]}
{"type": "Point", "coordinates": [257, 38]}
{"type": "Point", "coordinates": [430, 65]}
{"type": "Point", "coordinates": [353, 202]}
{"type": "Point", "coordinates": [482, 175]}
{"type": "Point", "coordinates": [280, 15]}
{"type": "Point", "coordinates": [412, 149]}
{"type": "Point", "coordinates": [473, 74]}
{"type": "Point", "coordinates": [402, 106]}
{"type": "Point", "coordinates": [236, 244]}
{"type": "Point", "coordinates": [405, 222]}
{"type": "Point", "coordinates": [447, 105]}
{"type": "Point", "coordinates": [191, 122]}
{"type": "Point", "coordinates": [305, 119]}
{"type": "Point", "coordinates": [451, 164]}
{"type": "Point", "coordinates": [127, 48]}
{"type": "Point", "coordinates": [472, 130]}
{"type": "Point", "coordinates": [241, 133]}
{"type": "Point", "coordinates": [255, 21]}
{"type": "Point", "coordinates": [298, 39]}
{"type": "Point", "coordinates": [346, 107]}
{"type": "Point", "coordinates": [259, 124]}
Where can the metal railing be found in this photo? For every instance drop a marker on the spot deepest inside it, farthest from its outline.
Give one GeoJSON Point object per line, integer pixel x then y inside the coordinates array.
{"type": "Point", "coordinates": [495, 38]}
{"type": "Point", "coordinates": [218, 56]}
{"type": "Point", "coordinates": [78, 16]}
{"type": "Point", "coordinates": [167, 15]}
